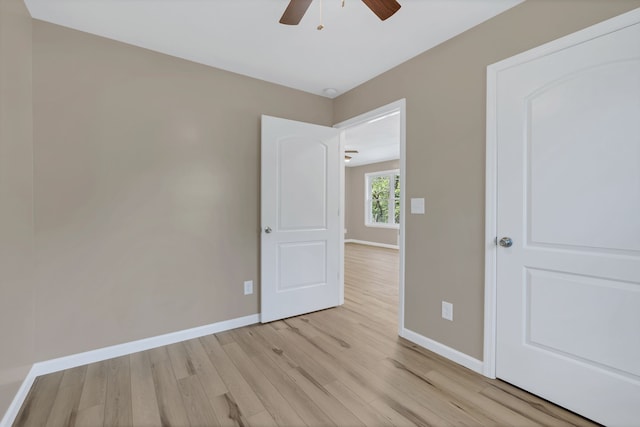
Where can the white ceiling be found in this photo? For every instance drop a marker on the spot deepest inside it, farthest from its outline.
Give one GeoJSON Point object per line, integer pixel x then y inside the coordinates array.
{"type": "Point", "coordinates": [376, 141]}
{"type": "Point", "coordinates": [244, 36]}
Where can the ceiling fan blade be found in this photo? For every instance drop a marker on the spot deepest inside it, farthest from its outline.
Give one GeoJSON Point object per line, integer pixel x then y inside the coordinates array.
{"type": "Point", "coordinates": [383, 8]}
{"type": "Point", "coordinates": [295, 11]}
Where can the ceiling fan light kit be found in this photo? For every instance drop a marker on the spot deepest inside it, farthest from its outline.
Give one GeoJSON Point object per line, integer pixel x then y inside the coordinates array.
{"type": "Point", "coordinates": [296, 9]}
{"type": "Point", "coordinates": [347, 157]}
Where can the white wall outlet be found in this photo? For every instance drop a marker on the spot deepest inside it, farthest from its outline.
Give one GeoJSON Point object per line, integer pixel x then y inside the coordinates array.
{"type": "Point", "coordinates": [447, 310]}
{"type": "Point", "coordinates": [248, 287]}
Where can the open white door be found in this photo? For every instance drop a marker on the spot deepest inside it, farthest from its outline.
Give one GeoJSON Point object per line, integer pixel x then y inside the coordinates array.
{"type": "Point", "coordinates": [568, 225]}
{"type": "Point", "coordinates": [300, 245]}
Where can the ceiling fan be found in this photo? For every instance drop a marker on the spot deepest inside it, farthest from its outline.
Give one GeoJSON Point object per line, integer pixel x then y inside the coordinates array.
{"type": "Point", "coordinates": [347, 157]}
{"type": "Point", "coordinates": [297, 8]}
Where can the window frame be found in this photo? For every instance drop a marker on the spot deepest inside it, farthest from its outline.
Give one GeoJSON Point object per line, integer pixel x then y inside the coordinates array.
{"type": "Point", "coordinates": [368, 177]}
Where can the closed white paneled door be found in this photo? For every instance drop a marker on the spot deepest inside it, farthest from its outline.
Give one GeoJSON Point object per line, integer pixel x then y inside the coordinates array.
{"type": "Point", "coordinates": [568, 209]}
{"type": "Point", "coordinates": [300, 245]}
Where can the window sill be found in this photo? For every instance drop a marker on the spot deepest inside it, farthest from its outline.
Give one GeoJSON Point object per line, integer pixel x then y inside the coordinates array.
{"type": "Point", "coordinates": [390, 226]}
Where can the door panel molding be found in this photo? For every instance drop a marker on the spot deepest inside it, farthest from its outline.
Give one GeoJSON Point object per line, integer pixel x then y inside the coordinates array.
{"type": "Point", "coordinates": [300, 251]}
{"type": "Point", "coordinates": [493, 71]}
{"type": "Point", "coordinates": [560, 321]}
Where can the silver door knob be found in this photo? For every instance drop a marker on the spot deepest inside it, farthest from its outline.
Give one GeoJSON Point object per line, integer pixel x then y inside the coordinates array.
{"type": "Point", "coordinates": [268, 230]}
{"type": "Point", "coordinates": [506, 242]}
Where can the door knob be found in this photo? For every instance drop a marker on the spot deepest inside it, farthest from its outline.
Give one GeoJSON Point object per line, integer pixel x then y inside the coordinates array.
{"type": "Point", "coordinates": [268, 230]}
{"type": "Point", "coordinates": [506, 242]}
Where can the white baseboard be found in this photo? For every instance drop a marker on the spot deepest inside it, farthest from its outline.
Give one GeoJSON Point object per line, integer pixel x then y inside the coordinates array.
{"type": "Point", "coordinates": [74, 360]}
{"type": "Point", "coordinates": [364, 242]}
{"type": "Point", "coordinates": [16, 403]}
{"type": "Point", "coordinates": [444, 351]}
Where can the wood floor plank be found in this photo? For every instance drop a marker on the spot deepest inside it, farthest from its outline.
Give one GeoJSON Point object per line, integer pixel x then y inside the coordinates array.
{"type": "Point", "coordinates": [170, 404]}
{"type": "Point", "coordinates": [180, 361]}
{"type": "Point", "coordinates": [344, 366]}
{"type": "Point", "coordinates": [398, 399]}
{"type": "Point", "coordinates": [197, 405]}
{"type": "Point", "coordinates": [263, 419]}
{"type": "Point", "coordinates": [95, 386]}
{"type": "Point", "coordinates": [37, 406]}
{"type": "Point", "coordinates": [366, 413]}
{"type": "Point", "coordinates": [345, 340]}
{"type": "Point", "coordinates": [240, 392]}
{"type": "Point", "coordinates": [454, 411]}
{"type": "Point", "coordinates": [270, 397]}
{"type": "Point", "coordinates": [541, 404]}
{"type": "Point", "coordinates": [291, 391]}
{"type": "Point", "coordinates": [210, 378]}
{"type": "Point", "coordinates": [225, 337]}
{"type": "Point", "coordinates": [92, 416]}
{"type": "Point", "coordinates": [523, 407]}
{"type": "Point", "coordinates": [118, 403]}
{"type": "Point", "coordinates": [500, 413]}
{"type": "Point", "coordinates": [299, 358]}
{"type": "Point", "coordinates": [277, 354]}
{"type": "Point", "coordinates": [357, 381]}
{"type": "Point", "coordinates": [229, 412]}
{"type": "Point", "coordinates": [65, 406]}
{"type": "Point", "coordinates": [252, 343]}
{"type": "Point", "coordinates": [393, 416]}
{"type": "Point", "coordinates": [144, 402]}
{"type": "Point", "coordinates": [340, 415]}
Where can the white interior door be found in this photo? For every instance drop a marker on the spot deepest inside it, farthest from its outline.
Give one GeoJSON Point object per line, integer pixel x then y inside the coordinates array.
{"type": "Point", "coordinates": [300, 250]}
{"type": "Point", "coordinates": [568, 289]}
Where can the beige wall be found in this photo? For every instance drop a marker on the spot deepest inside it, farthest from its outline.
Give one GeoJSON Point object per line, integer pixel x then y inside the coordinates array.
{"type": "Point", "coordinates": [354, 205]}
{"type": "Point", "coordinates": [446, 92]}
{"type": "Point", "coordinates": [146, 188]}
{"type": "Point", "coordinates": [16, 200]}
{"type": "Point", "coordinates": [147, 181]}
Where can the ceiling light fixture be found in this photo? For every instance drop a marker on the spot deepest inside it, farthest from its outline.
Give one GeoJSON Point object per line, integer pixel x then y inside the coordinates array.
{"type": "Point", "coordinates": [330, 91]}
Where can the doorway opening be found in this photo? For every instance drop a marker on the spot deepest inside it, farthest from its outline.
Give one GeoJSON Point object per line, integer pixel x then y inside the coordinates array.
{"type": "Point", "coordinates": [373, 200]}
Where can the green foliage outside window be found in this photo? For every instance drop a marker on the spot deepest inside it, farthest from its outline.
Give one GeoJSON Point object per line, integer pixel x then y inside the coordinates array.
{"type": "Point", "coordinates": [382, 199]}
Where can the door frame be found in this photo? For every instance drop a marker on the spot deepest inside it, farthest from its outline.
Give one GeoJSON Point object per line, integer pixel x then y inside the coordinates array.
{"type": "Point", "coordinates": [491, 254]}
{"type": "Point", "coordinates": [400, 106]}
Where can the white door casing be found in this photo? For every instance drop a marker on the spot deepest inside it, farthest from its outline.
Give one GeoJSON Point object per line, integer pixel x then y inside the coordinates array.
{"type": "Point", "coordinates": [301, 222]}
{"type": "Point", "coordinates": [565, 127]}
{"type": "Point", "coordinates": [396, 106]}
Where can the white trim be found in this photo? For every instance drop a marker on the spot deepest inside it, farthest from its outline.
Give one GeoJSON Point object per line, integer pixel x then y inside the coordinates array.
{"type": "Point", "coordinates": [379, 245]}
{"type": "Point", "coordinates": [401, 106]}
{"type": "Point", "coordinates": [74, 360]}
{"type": "Point", "coordinates": [403, 208]}
{"type": "Point", "coordinates": [582, 36]}
{"type": "Point", "coordinates": [12, 412]}
{"type": "Point", "coordinates": [490, 233]}
{"type": "Point", "coordinates": [342, 208]}
{"type": "Point", "coordinates": [444, 351]}
{"type": "Point", "coordinates": [381, 225]}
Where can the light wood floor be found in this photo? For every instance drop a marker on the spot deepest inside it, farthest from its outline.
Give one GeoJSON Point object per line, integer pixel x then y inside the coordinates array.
{"type": "Point", "coordinates": [343, 366]}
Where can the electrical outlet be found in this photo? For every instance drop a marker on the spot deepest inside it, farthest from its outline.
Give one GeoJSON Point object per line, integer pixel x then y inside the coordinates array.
{"type": "Point", "coordinates": [447, 310]}
{"type": "Point", "coordinates": [248, 287]}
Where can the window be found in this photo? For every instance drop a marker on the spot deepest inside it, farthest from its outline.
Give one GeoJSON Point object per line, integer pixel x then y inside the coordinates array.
{"type": "Point", "coordinates": [382, 202]}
